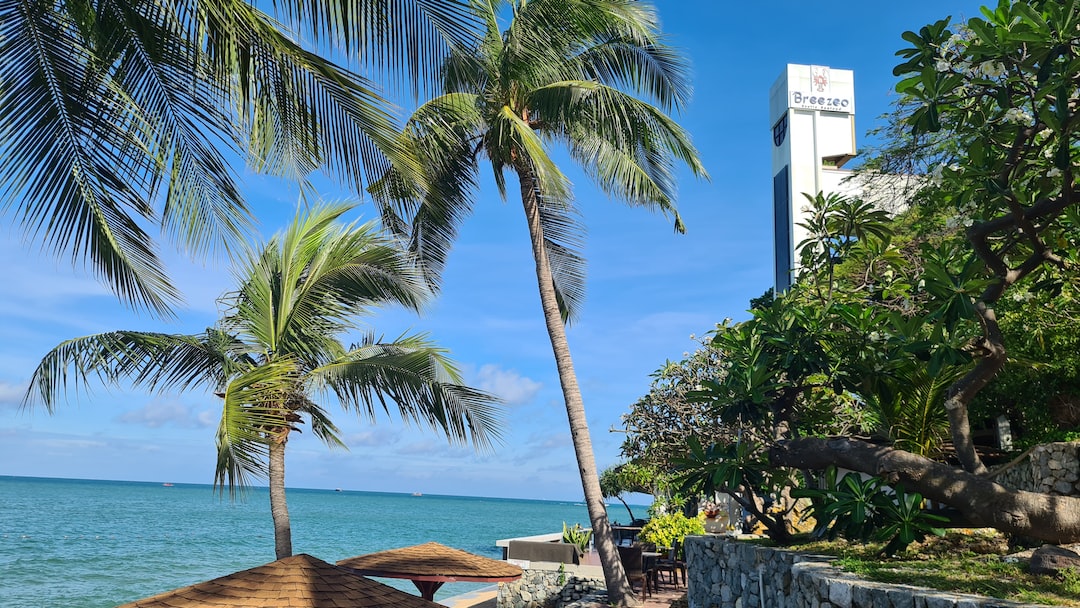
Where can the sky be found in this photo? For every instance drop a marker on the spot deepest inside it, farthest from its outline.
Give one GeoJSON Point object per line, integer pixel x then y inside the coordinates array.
{"type": "Point", "coordinates": [649, 290]}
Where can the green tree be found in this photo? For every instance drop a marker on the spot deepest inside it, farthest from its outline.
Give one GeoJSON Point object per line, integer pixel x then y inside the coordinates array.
{"type": "Point", "coordinates": [121, 118]}
{"type": "Point", "coordinates": [629, 477]}
{"type": "Point", "coordinates": [277, 348]}
{"type": "Point", "coordinates": [562, 72]}
{"type": "Point", "coordinates": [1002, 88]}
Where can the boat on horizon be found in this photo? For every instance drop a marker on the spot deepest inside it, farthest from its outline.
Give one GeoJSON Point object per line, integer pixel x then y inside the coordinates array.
{"type": "Point", "coordinates": [417, 494]}
{"type": "Point", "coordinates": [167, 485]}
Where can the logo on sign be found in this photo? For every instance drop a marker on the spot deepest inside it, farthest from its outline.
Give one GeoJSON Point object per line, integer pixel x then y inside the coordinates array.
{"type": "Point", "coordinates": [820, 77]}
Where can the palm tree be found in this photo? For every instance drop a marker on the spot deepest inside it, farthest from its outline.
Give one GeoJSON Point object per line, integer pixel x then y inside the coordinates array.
{"type": "Point", "coordinates": [563, 71]}
{"type": "Point", "coordinates": [277, 347]}
{"type": "Point", "coordinates": [122, 118]}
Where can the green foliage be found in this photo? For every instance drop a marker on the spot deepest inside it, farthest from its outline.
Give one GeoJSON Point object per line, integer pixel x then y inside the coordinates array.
{"type": "Point", "coordinates": [666, 530]}
{"type": "Point", "coordinates": [863, 509]}
{"type": "Point", "coordinates": [577, 536]}
{"type": "Point", "coordinates": [177, 90]}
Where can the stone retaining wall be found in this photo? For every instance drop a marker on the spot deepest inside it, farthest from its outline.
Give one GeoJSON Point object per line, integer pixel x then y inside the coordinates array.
{"type": "Point", "coordinates": [724, 573]}
{"type": "Point", "coordinates": [1051, 468]}
{"type": "Point", "coordinates": [541, 587]}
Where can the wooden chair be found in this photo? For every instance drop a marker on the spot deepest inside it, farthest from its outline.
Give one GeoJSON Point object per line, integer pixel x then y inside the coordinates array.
{"type": "Point", "coordinates": [673, 564]}
{"type": "Point", "coordinates": [634, 565]}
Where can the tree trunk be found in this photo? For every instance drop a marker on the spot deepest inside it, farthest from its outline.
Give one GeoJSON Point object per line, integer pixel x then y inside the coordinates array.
{"type": "Point", "coordinates": [278, 509]}
{"type": "Point", "coordinates": [618, 587]}
{"type": "Point", "coordinates": [1054, 519]}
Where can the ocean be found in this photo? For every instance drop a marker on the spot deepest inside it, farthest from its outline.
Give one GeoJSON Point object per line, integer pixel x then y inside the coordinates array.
{"type": "Point", "coordinates": [67, 543]}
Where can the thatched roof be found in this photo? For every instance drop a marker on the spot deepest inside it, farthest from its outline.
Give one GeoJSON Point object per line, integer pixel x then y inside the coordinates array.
{"type": "Point", "coordinates": [300, 581]}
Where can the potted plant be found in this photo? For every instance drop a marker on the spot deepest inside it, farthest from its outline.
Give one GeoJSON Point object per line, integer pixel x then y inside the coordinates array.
{"type": "Point", "coordinates": [577, 536]}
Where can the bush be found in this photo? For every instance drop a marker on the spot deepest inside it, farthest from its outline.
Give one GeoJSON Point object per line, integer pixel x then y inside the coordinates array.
{"type": "Point", "coordinates": [665, 530]}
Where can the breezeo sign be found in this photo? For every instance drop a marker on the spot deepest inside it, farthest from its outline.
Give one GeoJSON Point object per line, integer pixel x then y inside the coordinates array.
{"type": "Point", "coordinates": [810, 101]}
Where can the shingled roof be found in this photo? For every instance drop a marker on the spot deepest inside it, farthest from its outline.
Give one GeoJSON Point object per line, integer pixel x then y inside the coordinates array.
{"type": "Point", "coordinates": [300, 581]}
{"type": "Point", "coordinates": [432, 560]}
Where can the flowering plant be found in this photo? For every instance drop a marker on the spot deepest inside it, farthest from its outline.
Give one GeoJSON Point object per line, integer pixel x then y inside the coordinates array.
{"type": "Point", "coordinates": [710, 509]}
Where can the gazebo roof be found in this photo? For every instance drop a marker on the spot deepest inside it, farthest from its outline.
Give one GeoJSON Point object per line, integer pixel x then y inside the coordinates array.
{"type": "Point", "coordinates": [433, 562]}
{"type": "Point", "coordinates": [300, 581]}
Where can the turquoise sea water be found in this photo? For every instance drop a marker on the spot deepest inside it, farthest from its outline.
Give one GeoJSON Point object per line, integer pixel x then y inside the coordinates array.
{"type": "Point", "coordinates": [94, 544]}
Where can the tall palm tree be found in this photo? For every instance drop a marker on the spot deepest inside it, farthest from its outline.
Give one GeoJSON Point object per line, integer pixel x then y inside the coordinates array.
{"type": "Point", "coordinates": [123, 118]}
{"type": "Point", "coordinates": [277, 347]}
{"type": "Point", "coordinates": [563, 72]}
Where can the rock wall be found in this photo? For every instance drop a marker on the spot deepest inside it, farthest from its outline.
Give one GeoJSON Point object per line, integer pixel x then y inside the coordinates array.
{"type": "Point", "coordinates": [549, 588]}
{"type": "Point", "coordinates": [1051, 468]}
{"type": "Point", "coordinates": [724, 573]}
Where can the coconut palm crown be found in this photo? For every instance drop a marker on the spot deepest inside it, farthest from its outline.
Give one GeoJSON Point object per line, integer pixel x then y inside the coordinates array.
{"type": "Point", "coordinates": [277, 348]}
{"type": "Point", "coordinates": [592, 77]}
{"type": "Point", "coordinates": [123, 119]}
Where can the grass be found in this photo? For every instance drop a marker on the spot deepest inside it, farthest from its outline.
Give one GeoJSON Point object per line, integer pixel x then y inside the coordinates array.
{"type": "Point", "coordinates": [963, 561]}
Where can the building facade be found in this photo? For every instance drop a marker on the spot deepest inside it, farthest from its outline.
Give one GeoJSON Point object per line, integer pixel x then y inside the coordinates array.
{"type": "Point", "coordinates": [812, 108]}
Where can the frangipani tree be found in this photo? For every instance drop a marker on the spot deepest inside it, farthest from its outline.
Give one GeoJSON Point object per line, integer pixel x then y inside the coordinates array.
{"type": "Point", "coordinates": [1003, 88]}
{"type": "Point", "coordinates": [276, 354]}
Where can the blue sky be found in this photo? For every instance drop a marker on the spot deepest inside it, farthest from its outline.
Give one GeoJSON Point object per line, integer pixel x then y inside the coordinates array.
{"type": "Point", "coordinates": [648, 289]}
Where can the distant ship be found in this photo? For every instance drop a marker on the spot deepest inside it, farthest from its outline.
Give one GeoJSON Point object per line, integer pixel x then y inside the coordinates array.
{"type": "Point", "coordinates": [167, 485]}
{"type": "Point", "coordinates": [417, 494]}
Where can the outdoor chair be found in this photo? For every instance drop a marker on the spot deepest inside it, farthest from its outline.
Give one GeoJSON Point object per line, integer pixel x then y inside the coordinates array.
{"type": "Point", "coordinates": [634, 565]}
{"type": "Point", "coordinates": [672, 564]}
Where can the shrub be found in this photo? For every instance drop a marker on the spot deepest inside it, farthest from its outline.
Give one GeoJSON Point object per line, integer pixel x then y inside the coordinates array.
{"type": "Point", "coordinates": [665, 530]}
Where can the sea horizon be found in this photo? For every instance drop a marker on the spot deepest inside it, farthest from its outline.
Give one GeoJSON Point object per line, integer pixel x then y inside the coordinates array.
{"type": "Point", "coordinates": [288, 488]}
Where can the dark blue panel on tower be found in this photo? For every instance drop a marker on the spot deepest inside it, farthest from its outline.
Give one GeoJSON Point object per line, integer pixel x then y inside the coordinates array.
{"type": "Point", "coordinates": [782, 229]}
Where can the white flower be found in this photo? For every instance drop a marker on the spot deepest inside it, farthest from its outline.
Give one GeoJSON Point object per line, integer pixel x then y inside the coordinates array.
{"type": "Point", "coordinates": [936, 174]}
{"type": "Point", "coordinates": [1042, 135]}
{"type": "Point", "coordinates": [943, 65]}
{"type": "Point", "coordinates": [1017, 115]}
{"type": "Point", "coordinates": [1053, 172]}
{"type": "Point", "coordinates": [1048, 152]}
{"type": "Point", "coordinates": [991, 69]}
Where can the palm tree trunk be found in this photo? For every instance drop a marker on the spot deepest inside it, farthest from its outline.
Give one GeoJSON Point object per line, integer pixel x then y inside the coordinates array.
{"type": "Point", "coordinates": [278, 509]}
{"type": "Point", "coordinates": [618, 587]}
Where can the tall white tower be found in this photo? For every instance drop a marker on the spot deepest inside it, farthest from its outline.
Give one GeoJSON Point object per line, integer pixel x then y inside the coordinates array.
{"type": "Point", "coordinates": [813, 112]}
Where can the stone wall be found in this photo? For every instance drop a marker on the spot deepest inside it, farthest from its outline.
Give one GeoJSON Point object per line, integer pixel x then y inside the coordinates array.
{"type": "Point", "coordinates": [725, 573]}
{"type": "Point", "coordinates": [1052, 468]}
{"type": "Point", "coordinates": [541, 587]}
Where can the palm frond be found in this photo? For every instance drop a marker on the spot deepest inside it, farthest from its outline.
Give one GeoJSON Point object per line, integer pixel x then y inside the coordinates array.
{"type": "Point", "coordinates": [509, 132]}
{"type": "Point", "coordinates": [254, 410]}
{"type": "Point", "coordinates": [419, 381]}
{"type": "Point", "coordinates": [303, 111]}
{"type": "Point", "coordinates": [161, 362]}
{"type": "Point", "coordinates": [404, 39]}
{"type": "Point", "coordinates": [75, 168]}
{"type": "Point", "coordinates": [564, 238]}
{"type": "Point", "coordinates": [428, 210]}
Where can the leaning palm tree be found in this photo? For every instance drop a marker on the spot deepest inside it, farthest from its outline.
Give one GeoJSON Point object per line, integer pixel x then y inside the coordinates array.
{"type": "Point", "coordinates": [276, 348]}
{"type": "Point", "coordinates": [124, 118]}
{"type": "Point", "coordinates": [563, 72]}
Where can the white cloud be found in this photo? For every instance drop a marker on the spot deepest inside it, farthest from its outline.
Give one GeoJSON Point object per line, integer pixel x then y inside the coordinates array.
{"type": "Point", "coordinates": [373, 438]}
{"type": "Point", "coordinates": [159, 414]}
{"type": "Point", "coordinates": [508, 384]}
{"type": "Point", "coordinates": [11, 395]}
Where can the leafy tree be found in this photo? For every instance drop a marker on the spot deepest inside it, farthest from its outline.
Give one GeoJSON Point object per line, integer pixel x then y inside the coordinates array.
{"type": "Point", "coordinates": [121, 118]}
{"type": "Point", "coordinates": [562, 72]}
{"type": "Point", "coordinates": [659, 423]}
{"type": "Point", "coordinates": [1002, 88]}
{"type": "Point", "coordinates": [277, 347]}
{"type": "Point", "coordinates": [628, 477]}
